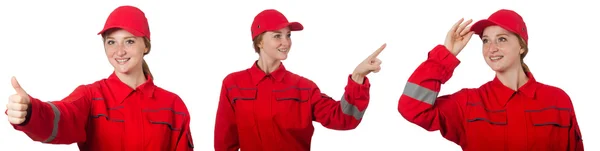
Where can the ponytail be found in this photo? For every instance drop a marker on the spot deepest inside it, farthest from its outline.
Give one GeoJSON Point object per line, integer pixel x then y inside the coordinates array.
{"type": "Point", "coordinates": [523, 46]}
{"type": "Point", "coordinates": [145, 68]}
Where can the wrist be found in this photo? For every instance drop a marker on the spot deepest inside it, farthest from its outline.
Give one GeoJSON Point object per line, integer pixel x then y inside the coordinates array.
{"type": "Point", "coordinates": [358, 78]}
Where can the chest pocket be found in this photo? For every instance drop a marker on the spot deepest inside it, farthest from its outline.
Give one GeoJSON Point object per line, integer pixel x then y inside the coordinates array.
{"type": "Point", "coordinates": [485, 125]}
{"type": "Point", "coordinates": [550, 127]}
{"type": "Point", "coordinates": [243, 100]}
{"type": "Point", "coordinates": [292, 105]}
{"type": "Point", "coordinates": [106, 123]}
{"type": "Point", "coordinates": [161, 125]}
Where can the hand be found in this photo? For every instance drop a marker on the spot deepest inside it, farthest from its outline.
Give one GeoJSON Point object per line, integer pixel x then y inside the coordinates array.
{"type": "Point", "coordinates": [458, 36]}
{"type": "Point", "coordinates": [371, 64]}
{"type": "Point", "coordinates": [17, 104]}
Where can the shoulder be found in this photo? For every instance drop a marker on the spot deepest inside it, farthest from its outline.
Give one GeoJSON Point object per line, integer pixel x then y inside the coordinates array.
{"type": "Point", "coordinates": [299, 80]}
{"type": "Point", "coordinates": [546, 91]}
{"type": "Point", "coordinates": [237, 75]}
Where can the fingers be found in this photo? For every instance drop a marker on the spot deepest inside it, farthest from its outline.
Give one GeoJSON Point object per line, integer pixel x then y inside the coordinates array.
{"type": "Point", "coordinates": [377, 52]}
{"type": "Point", "coordinates": [17, 86]}
{"type": "Point", "coordinates": [462, 26]}
{"type": "Point", "coordinates": [14, 120]}
{"type": "Point", "coordinates": [15, 98]}
{"type": "Point", "coordinates": [455, 26]}
{"type": "Point", "coordinates": [375, 66]}
{"type": "Point", "coordinates": [465, 31]}
{"type": "Point", "coordinates": [468, 36]}
{"type": "Point", "coordinates": [16, 114]}
{"type": "Point", "coordinates": [17, 107]}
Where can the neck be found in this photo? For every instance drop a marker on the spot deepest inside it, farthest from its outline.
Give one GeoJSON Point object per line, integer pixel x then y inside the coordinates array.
{"type": "Point", "coordinates": [513, 78]}
{"type": "Point", "coordinates": [133, 79]}
{"type": "Point", "coordinates": [267, 65]}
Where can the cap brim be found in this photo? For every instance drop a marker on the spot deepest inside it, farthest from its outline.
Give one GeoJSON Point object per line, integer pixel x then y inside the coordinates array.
{"type": "Point", "coordinates": [294, 26]}
{"type": "Point", "coordinates": [133, 32]}
{"type": "Point", "coordinates": [479, 26]}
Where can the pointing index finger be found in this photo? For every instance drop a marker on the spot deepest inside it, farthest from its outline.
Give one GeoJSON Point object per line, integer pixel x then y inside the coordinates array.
{"type": "Point", "coordinates": [378, 51]}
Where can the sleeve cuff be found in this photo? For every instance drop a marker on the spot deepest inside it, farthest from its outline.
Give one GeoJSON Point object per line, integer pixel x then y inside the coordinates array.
{"type": "Point", "coordinates": [357, 91]}
{"type": "Point", "coordinates": [443, 56]}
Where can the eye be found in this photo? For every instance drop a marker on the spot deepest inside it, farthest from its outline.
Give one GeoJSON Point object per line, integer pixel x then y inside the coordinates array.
{"type": "Point", "coordinates": [484, 40]}
{"type": "Point", "coordinates": [502, 39]}
{"type": "Point", "coordinates": [110, 42]}
{"type": "Point", "coordinates": [277, 36]}
{"type": "Point", "coordinates": [289, 35]}
{"type": "Point", "coordinates": [130, 41]}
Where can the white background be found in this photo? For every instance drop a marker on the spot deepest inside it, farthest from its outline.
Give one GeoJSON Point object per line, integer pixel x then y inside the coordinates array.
{"type": "Point", "coordinates": [52, 47]}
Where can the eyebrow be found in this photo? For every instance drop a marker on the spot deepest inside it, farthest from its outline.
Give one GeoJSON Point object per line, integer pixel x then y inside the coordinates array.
{"type": "Point", "coordinates": [123, 38]}
{"type": "Point", "coordinates": [496, 35]}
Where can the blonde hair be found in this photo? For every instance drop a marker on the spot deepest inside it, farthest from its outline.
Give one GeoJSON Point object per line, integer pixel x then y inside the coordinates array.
{"type": "Point", "coordinates": [523, 46]}
{"type": "Point", "coordinates": [257, 41]}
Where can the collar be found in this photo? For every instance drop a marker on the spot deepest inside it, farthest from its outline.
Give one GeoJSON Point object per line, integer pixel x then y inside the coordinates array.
{"type": "Point", "coordinates": [504, 93]}
{"type": "Point", "coordinates": [258, 75]}
{"type": "Point", "coordinates": [121, 91]}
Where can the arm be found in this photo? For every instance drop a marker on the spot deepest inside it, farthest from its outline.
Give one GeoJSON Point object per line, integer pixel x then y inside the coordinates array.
{"type": "Point", "coordinates": [226, 136]}
{"type": "Point", "coordinates": [184, 142]}
{"type": "Point", "coordinates": [420, 104]}
{"type": "Point", "coordinates": [575, 138]}
{"type": "Point", "coordinates": [345, 114]}
{"type": "Point", "coordinates": [59, 122]}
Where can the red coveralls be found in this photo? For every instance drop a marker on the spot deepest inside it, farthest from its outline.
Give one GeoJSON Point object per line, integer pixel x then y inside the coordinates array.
{"type": "Point", "coordinates": [110, 116]}
{"type": "Point", "coordinates": [274, 112]}
{"type": "Point", "coordinates": [492, 117]}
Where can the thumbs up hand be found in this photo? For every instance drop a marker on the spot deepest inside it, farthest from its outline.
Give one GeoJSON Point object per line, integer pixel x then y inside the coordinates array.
{"type": "Point", "coordinates": [17, 104]}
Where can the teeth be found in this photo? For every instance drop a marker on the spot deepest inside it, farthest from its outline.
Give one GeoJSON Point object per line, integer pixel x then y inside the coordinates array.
{"type": "Point", "coordinates": [122, 60]}
{"type": "Point", "coordinates": [496, 58]}
{"type": "Point", "coordinates": [282, 50]}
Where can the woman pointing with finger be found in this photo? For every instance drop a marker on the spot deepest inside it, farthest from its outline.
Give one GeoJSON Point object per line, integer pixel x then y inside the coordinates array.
{"type": "Point", "coordinates": [511, 112]}
{"type": "Point", "coordinates": [268, 108]}
{"type": "Point", "coordinates": [125, 111]}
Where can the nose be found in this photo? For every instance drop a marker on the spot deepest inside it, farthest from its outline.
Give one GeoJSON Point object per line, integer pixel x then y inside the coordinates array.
{"type": "Point", "coordinates": [286, 41]}
{"type": "Point", "coordinates": [121, 50]}
{"type": "Point", "coordinates": [492, 46]}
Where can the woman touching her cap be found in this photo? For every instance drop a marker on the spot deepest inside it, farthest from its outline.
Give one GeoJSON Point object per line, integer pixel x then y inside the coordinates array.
{"type": "Point", "coordinates": [511, 112]}
{"type": "Point", "coordinates": [125, 111]}
{"type": "Point", "coordinates": [268, 108]}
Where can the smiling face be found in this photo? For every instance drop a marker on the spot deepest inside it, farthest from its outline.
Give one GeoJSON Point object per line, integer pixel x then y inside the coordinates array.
{"type": "Point", "coordinates": [275, 45]}
{"type": "Point", "coordinates": [124, 51]}
{"type": "Point", "coordinates": [501, 49]}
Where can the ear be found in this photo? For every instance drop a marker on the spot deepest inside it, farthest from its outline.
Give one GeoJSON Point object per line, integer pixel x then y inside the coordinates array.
{"type": "Point", "coordinates": [146, 50]}
{"type": "Point", "coordinates": [260, 45]}
{"type": "Point", "coordinates": [521, 51]}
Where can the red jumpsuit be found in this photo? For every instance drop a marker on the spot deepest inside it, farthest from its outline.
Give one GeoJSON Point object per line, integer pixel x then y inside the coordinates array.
{"type": "Point", "coordinates": [110, 116]}
{"type": "Point", "coordinates": [492, 117]}
{"type": "Point", "coordinates": [274, 112]}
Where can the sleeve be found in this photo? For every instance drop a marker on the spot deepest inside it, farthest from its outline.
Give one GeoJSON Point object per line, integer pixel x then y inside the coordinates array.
{"type": "Point", "coordinates": [420, 104]}
{"type": "Point", "coordinates": [58, 122]}
{"type": "Point", "coordinates": [185, 141]}
{"type": "Point", "coordinates": [575, 138]}
{"type": "Point", "coordinates": [345, 114]}
{"type": "Point", "coordinates": [226, 136]}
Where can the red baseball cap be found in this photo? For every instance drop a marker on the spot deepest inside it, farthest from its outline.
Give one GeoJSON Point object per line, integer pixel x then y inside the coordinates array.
{"type": "Point", "coordinates": [270, 20]}
{"type": "Point", "coordinates": [129, 18]}
{"type": "Point", "coordinates": [507, 19]}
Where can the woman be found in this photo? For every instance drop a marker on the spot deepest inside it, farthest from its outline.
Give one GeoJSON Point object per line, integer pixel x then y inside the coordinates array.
{"type": "Point", "coordinates": [267, 107]}
{"type": "Point", "coordinates": [125, 111]}
{"type": "Point", "coordinates": [511, 112]}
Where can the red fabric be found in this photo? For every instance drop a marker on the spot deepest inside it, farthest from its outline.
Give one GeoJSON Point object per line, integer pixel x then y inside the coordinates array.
{"type": "Point", "coordinates": [270, 20]}
{"type": "Point", "coordinates": [507, 19]}
{"type": "Point", "coordinates": [492, 117]}
{"type": "Point", "coordinates": [129, 18]}
{"type": "Point", "coordinates": [275, 112]}
{"type": "Point", "coordinates": [109, 115]}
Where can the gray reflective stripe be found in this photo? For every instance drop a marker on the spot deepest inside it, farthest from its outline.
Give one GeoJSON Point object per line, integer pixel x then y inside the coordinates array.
{"type": "Point", "coordinates": [54, 124]}
{"type": "Point", "coordinates": [351, 110]}
{"type": "Point", "coordinates": [420, 93]}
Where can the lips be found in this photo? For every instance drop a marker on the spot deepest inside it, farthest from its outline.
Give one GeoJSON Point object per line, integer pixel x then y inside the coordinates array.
{"type": "Point", "coordinates": [495, 58]}
{"type": "Point", "coordinates": [122, 60]}
{"type": "Point", "coordinates": [283, 50]}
